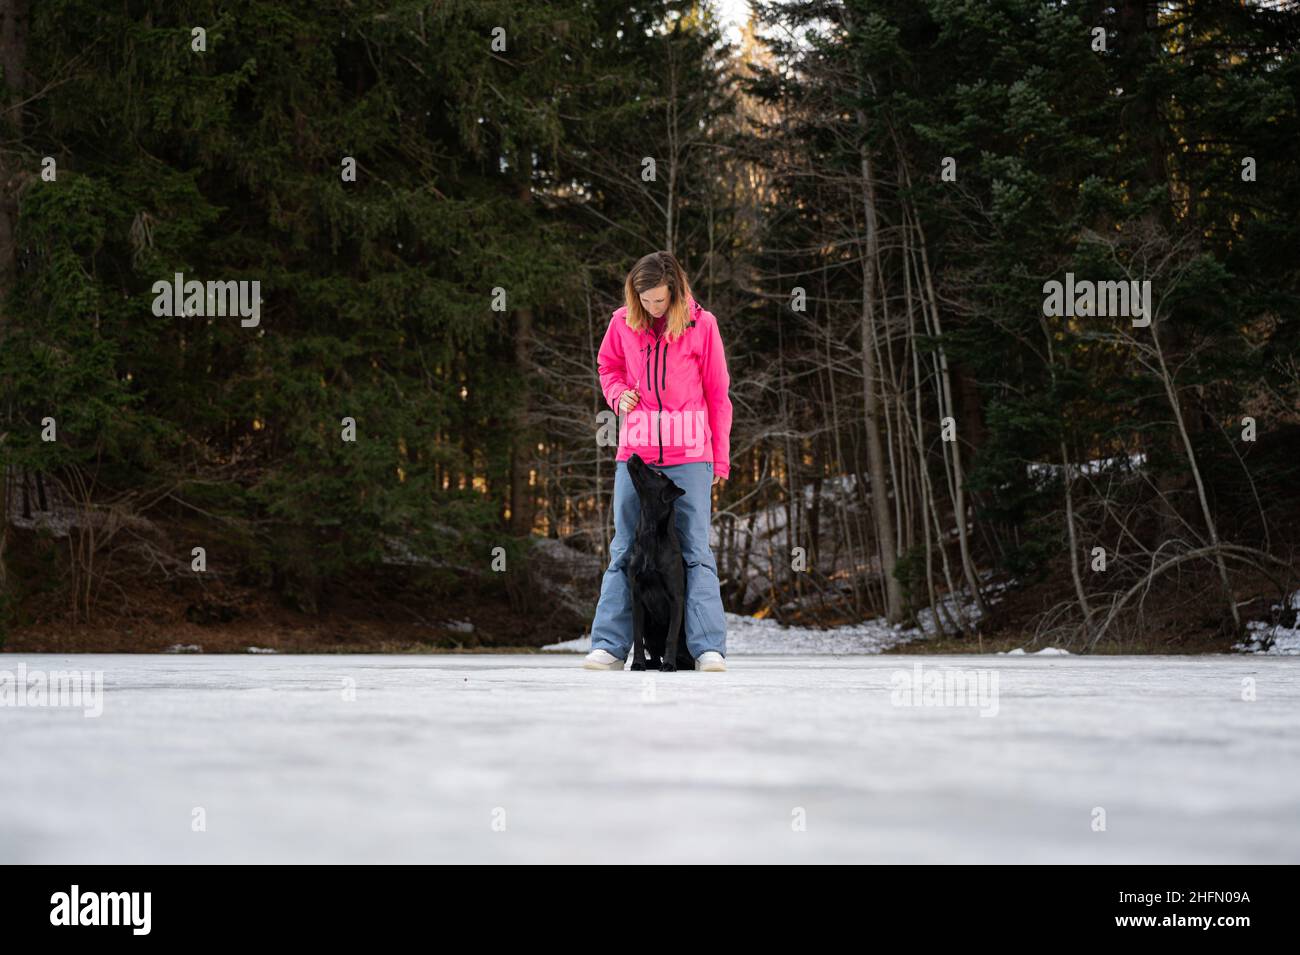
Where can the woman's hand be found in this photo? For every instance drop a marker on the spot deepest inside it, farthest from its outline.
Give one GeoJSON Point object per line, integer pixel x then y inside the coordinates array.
{"type": "Point", "coordinates": [628, 400]}
{"type": "Point", "coordinates": [717, 479]}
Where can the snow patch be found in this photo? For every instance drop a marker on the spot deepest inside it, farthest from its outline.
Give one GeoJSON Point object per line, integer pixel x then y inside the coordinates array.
{"type": "Point", "coordinates": [1043, 471]}
{"type": "Point", "coordinates": [747, 635]}
{"type": "Point", "coordinates": [1279, 639]}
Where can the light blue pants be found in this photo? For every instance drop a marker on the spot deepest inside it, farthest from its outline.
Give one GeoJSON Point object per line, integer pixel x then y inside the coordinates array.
{"type": "Point", "coordinates": [706, 627]}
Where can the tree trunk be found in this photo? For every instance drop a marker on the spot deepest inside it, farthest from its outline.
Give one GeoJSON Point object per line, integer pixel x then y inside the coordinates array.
{"type": "Point", "coordinates": [13, 58]}
{"type": "Point", "coordinates": [958, 474]}
{"type": "Point", "coordinates": [522, 452]}
{"type": "Point", "coordinates": [871, 401]}
{"type": "Point", "coordinates": [521, 457]}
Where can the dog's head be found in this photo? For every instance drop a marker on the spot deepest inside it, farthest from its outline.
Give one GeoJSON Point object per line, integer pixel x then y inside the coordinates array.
{"type": "Point", "coordinates": [655, 489]}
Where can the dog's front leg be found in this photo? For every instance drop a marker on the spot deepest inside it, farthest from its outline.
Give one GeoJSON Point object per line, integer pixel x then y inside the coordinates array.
{"type": "Point", "coordinates": [674, 632]}
{"type": "Point", "coordinates": [638, 631]}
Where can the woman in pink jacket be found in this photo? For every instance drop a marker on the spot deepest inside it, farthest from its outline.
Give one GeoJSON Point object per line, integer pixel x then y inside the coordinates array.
{"type": "Point", "coordinates": [662, 368]}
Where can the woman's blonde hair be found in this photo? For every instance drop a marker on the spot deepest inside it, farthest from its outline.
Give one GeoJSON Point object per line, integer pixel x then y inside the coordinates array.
{"type": "Point", "coordinates": [655, 269]}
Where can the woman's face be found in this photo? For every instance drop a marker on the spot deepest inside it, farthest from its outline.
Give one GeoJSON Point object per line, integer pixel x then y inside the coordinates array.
{"type": "Point", "coordinates": [655, 300]}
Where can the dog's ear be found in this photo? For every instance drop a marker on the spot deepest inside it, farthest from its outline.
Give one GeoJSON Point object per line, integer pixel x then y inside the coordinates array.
{"type": "Point", "coordinates": [670, 493]}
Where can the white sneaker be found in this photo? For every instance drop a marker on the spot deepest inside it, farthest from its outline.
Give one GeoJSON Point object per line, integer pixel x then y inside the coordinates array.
{"type": "Point", "coordinates": [602, 660]}
{"type": "Point", "coordinates": [711, 661]}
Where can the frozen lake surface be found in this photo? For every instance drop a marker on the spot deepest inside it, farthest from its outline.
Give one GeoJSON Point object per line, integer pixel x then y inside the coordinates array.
{"type": "Point", "coordinates": [528, 758]}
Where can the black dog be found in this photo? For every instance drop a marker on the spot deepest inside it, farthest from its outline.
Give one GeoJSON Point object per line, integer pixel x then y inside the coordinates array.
{"type": "Point", "coordinates": [657, 574]}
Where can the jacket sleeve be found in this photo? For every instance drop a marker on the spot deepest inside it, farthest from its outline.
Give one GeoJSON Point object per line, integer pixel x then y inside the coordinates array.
{"type": "Point", "coordinates": [612, 365]}
{"type": "Point", "coordinates": [716, 382]}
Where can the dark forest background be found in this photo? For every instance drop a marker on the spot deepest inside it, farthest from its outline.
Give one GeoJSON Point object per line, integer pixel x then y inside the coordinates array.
{"type": "Point", "coordinates": [870, 195]}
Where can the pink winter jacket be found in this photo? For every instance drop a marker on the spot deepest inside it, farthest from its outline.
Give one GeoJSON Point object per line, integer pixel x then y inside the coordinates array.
{"type": "Point", "coordinates": [684, 414]}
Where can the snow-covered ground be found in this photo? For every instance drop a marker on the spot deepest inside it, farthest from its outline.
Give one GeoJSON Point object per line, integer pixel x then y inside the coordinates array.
{"type": "Point", "coordinates": [746, 635]}
{"type": "Point", "coordinates": [528, 758]}
{"type": "Point", "coordinates": [1275, 638]}
{"type": "Point", "coordinates": [1271, 638]}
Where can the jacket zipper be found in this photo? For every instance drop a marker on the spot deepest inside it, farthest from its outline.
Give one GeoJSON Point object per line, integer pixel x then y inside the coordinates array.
{"type": "Point", "coordinates": [663, 380]}
{"type": "Point", "coordinates": [659, 421]}
{"type": "Point", "coordinates": [658, 381]}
